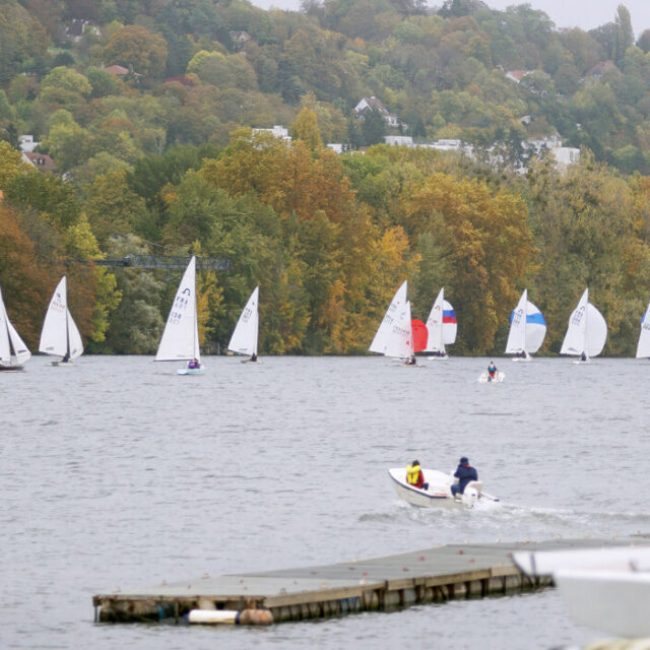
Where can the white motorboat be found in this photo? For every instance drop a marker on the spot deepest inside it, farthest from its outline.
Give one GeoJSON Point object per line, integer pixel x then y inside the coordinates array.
{"type": "Point", "coordinates": [484, 377]}
{"type": "Point", "coordinates": [614, 602]}
{"type": "Point", "coordinates": [438, 492]}
{"type": "Point", "coordinates": [606, 558]}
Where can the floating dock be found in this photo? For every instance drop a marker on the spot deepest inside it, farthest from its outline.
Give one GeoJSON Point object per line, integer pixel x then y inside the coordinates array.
{"type": "Point", "coordinates": [433, 575]}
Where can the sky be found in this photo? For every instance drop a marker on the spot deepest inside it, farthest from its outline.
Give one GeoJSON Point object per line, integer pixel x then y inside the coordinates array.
{"type": "Point", "coordinates": [586, 14]}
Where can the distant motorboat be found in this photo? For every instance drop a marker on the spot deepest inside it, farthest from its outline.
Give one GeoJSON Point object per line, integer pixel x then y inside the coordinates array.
{"type": "Point", "coordinates": [180, 339]}
{"type": "Point", "coordinates": [13, 351]}
{"type": "Point", "coordinates": [527, 329]}
{"type": "Point", "coordinates": [438, 493]}
{"type": "Point", "coordinates": [441, 327]}
{"type": "Point", "coordinates": [587, 331]}
{"type": "Point", "coordinates": [60, 336]}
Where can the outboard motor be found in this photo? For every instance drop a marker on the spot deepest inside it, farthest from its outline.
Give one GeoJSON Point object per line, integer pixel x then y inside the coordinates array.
{"type": "Point", "coordinates": [472, 493]}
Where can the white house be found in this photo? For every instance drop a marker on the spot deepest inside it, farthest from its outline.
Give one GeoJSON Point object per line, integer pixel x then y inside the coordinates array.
{"type": "Point", "coordinates": [399, 140]}
{"type": "Point", "coordinates": [373, 104]}
{"type": "Point", "coordinates": [277, 132]}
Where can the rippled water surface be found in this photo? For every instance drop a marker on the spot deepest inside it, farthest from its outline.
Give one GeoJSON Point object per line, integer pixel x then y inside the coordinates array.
{"type": "Point", "coordinates": [117, 473]}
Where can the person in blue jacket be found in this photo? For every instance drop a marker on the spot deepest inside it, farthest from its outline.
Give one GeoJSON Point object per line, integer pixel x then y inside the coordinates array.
{"type": "Point", "coordinates": [464, 473]}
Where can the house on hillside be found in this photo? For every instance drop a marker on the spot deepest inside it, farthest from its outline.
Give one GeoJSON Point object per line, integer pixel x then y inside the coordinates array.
{"type": "Point", "coordinates": [27, 143]}
{"type": "Point", "coordinates": [368, 104]}
{"type": "Point", "coordinates": [277, 132]}
{"type": "Point", "coordinates": [77, 27]}
{"type": "Point", "coordinates": [600, 70]}
{"type": "Point", "coordinates": [517, 75]}
{"type": "Point", "coordinates": [239, 38]}
{"type": "Point", "coordinates": [42, 161]}
{"type": "Point", "coordinates": [117, 70]}
{"type": "Point", "coordinates": [399, 140]}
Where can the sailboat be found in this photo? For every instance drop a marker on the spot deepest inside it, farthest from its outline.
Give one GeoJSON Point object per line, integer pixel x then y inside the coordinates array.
{"type": "Point", "coordinates": [13, 351]}
{"type": "Point", "coordinates": [527, 329]}
{"type": "Point", "coordinates": [244, 338]}
{"type": "Point", "coordinates": [441, 326]}
{"type": "Point", "coordinates": [587, 331]}
{"type": "Point", "coordinates": [60, 336]}
{"type": "Point", "coordinates": [394, 336]}
{"type": "Point", "coordinates": [643, 348]}
{"type": "Point", "coordinates": [180, 339]}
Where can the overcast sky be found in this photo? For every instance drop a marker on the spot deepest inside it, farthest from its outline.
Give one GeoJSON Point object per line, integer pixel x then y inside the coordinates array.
{"type": "Point", "coordinates": [564, 13]}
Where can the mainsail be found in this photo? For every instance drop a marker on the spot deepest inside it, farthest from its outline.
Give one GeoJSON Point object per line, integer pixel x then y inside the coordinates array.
{"type": "Point", "coordinates": [587, 331]}
{"type": "Point", "coordinates": [441, 324]}
{"type": "Point", "coordinates": [244, 338]}
{"type": "Point", "coordinates": [13, 351]}
{"type": "Point", "coordinates": [527, 328]}
{"type": "Point", "coordinates": [60, 336]}
{"type": "Point", "coordinates": [643, 348]}
{"type": "Point", "coordinates": [180, 340]}
{"type": "Point", "coordinates": [394, 312]}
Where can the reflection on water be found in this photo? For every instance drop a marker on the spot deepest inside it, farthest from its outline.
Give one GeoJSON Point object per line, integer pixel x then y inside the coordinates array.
{"type": "Point", "coordinates": [118, 473]}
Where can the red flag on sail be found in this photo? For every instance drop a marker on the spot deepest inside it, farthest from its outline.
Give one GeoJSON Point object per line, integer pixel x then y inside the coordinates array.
{"type": "Point", "coordinates": [420, 335]}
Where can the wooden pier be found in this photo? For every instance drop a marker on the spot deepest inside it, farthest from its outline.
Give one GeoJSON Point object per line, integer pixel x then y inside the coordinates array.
{"type": "Point", "coordinates": [433, 575]}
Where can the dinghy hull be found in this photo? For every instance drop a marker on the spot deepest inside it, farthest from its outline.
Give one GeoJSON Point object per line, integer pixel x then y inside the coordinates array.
{"type": "Point", "coordinates": [438, 494]}
{"type": "Point", "coordinates": [190, 371]}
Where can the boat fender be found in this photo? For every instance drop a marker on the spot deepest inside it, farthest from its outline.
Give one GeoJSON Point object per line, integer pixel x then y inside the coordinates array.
{"type": "Point", "coordinates": [231, 617]}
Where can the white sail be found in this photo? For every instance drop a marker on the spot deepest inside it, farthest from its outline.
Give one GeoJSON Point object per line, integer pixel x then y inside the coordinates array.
{"type": "Point", "coordinates": [180, 340]}
{"type": "Point", "coordinates": [643, 348]}
{"type": "Point", "coordinates": [527, 327]}
{"type": "Point", "coordinates": [13, 351]}
{"type": "Point", "coordinates": [400, 338]}
{"type": "Point", "coordinates": [60, 336]}
{"type": "Point", "coordinates": [383, 335]}
{"type": "Point", "coordinates": [244, 338]}
{"type": "Point", "coordinates": [441, 325]}
{"type": "Point", "coordinates": [587, 331]}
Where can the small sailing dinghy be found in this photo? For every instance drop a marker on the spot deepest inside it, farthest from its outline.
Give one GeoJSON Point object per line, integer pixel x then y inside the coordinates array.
{"type": "Point", "coordinates": [13, 351]}
{"type": "Point", "coordinates": [180, 340]}
{"type": "Point", "coordinates": [60, 336]}
{"type": "Point", "coordinates": [643, 347]}
{"type": "Point", "coordinates": [587, 331]}
{"type": "Point", "coordinates": [394, 338]}
{"type": "Point", "coordinates": [244, 338]}
{"type": "Point", "coordinates": [527, 330]}
{"type": "Point", "coordinates": [484, 377]}
{"type": "Point", "coordinates": [438, 492]}
{"type": "Point", "coordinates": [442, 327]}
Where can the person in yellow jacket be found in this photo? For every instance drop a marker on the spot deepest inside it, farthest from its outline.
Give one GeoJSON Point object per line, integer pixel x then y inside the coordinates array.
{"type": "Point", "coordinates": [415, 476]}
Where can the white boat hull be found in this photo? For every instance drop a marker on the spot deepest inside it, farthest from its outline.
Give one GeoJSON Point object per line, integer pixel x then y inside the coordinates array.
{"type": "Point", "coordinates": [438, 494]}
{"type": "Point", "coordinates": [484, 378]}
{"type": "Point", "coordinates": [190, 371]}
{"type": "Point", "coordinates": [608, 601]}
{"type": "Point", "coordinates": [612, 558]}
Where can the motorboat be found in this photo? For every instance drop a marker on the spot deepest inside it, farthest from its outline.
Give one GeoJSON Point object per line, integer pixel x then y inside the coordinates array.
{"type": "Point", "coordinates": [438, 493]}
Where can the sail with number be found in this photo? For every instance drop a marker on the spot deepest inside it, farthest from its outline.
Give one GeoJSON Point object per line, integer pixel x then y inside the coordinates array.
{"type": "Point", "coordinates": [643, 348]}
{"type": "Point", "coordinates": [527, 328]}
{"type": "Point", "coordinates": [244, 338]}
{"type": "Point", "coordinates": [395, 310]}
{"type": "Point", "coordinates": [180, 340]}
{"type": "Point", "coordinates": [587, 331]}
{"type": "Point", "coordinates": [13, 351]}
{"type": "Point", "coordinates": [400, 338]}
{"type": "Point", "coordinates": [441, 325]}
{"type": "Point", "coordinates": [60, 336]}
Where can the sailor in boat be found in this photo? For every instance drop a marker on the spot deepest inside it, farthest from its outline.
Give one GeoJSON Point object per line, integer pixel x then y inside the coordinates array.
{"type": "Point", "coordinates": [193, 364]}
{"type": "Point", "coordinates": [411, 361]}
{"type": "Point", "coordinates": [465, 473]}
{"type": "Point", "coordinates": [253, 357]}
{"type": "Point", "coordinates": [583, 356]}
{"type": "Point", "coordinates": [415, 476]}
{"type": "Point", "coordinates": [492, 371]}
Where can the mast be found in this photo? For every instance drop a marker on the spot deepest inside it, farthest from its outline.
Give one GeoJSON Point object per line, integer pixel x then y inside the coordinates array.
{"type": "Point", "coordinates": [525, 317]}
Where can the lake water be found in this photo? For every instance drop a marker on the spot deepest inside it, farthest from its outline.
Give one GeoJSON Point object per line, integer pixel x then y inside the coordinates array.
{"type": "Point", "coordinates": [117, 474]}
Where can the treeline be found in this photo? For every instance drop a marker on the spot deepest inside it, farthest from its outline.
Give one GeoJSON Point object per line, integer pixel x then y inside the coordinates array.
{"type": "Point", "coordinates": [192, 71]}
{"type": "Point", "coordinates": [328, 238]}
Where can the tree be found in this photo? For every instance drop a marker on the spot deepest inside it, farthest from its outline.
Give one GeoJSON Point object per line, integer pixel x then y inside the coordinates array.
{"type": "Point", "coordinates": [305, 128]}
{"type": "Point", "coordinates": [139, 49]}
{"type": "Point", "coordinates": [373, 128]}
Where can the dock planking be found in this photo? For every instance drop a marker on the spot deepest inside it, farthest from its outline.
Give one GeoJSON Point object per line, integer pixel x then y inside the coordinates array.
{"type": "Point", "coordinates": [433, 575]}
